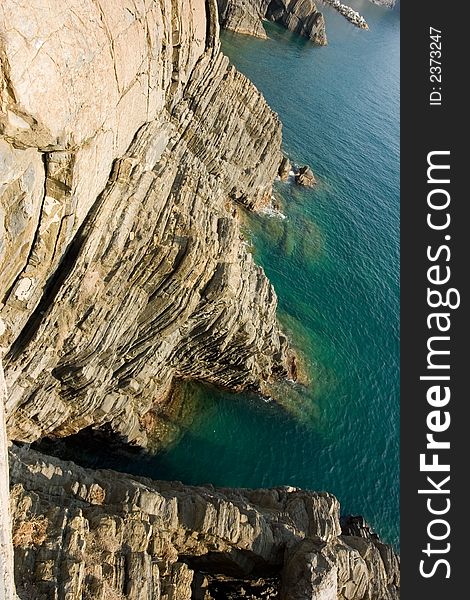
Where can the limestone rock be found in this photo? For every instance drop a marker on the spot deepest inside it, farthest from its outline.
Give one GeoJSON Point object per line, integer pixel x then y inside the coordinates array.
{"type": "Point", "coordinates": [299, 16]}
{"type": "Point", "coordinates": [387, 3]}
{"type": "Point", "coordinates": [304, 176]}
{"type": "Point", "coordinates": [284, 169]}
{"type": "Point", "coordinates": [98, 533]}
{"type": "Point", "coordinates": [128, 144]}
{"type": "Point", "coordinates": [242, 16]}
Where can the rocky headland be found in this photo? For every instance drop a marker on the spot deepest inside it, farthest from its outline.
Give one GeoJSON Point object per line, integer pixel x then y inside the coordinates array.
{"type": "Point", "coordinates": [123, 263]}
{"type": "Point", "coordinates": [128, 147]}
{"type": "Point", "coordinates": [299, 16]}
{"type": "Point", "coordinates": [99, 534]}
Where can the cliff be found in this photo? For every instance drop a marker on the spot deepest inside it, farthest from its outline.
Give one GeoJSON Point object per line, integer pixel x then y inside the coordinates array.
{"type": "Point", "coordinates": [299, 16]}
{"type": "Point", "coordinates": [97, 534]}
{"type": "Point", "coordinates": [128, 145]}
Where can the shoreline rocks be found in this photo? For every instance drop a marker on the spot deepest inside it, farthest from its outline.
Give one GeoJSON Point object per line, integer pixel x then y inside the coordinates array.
{"type": "Point", "coordinates": [284, 169]}
{"type": "Point", "coordinates": [299, 16]}
{"type": "Point", "coordinates": [124, 260]}
{"type": "Point", "coordinates": [395, 4]}
{"type": "Point", "coordinates": [304, 176]}
{"type": "Point", "coordinates": [96, 533]}
{"type": "Point", "coordinates": [126, 139]}
{"type": "Point", "coordinates": [7, 579]}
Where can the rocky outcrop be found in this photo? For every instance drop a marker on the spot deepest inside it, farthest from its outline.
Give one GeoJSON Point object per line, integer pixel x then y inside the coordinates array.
{"type": "Point", "coordinates": [348, 13]}
{"type": "Point", "coordinates": [285, 169]}
{"type": "Point", "coordinates": [243, 16]}
{"type": "Point", "coordinates": [105, 535]}
{"type": "Point", "coordinates": [7, 581]}
{"type": "Point", "coordinates": [305, 177]}
{"type": "Point", "coordinates": [128, 144]}
{"type": "Point", "coordinates": [299, 16]}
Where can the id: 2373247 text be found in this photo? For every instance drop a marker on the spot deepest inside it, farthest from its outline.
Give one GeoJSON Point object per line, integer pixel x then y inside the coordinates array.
{"type": "Point", "coordinates": [435, 66]}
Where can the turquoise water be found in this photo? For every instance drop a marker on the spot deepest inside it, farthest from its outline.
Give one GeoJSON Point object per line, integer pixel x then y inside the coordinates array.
{"type": "Point", "coordinates": [334, 262]}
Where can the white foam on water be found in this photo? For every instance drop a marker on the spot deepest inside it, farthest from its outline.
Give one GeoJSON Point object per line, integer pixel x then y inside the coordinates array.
{"type": "Point", "coordinates": [271, 212]}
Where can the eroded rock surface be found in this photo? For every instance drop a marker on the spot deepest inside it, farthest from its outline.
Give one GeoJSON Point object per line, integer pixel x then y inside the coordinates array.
{"type": "Point", "coordinates": [128, 144]}
{"type": "Point", "coordinates": [305, 177]}
{"type": "Point", "coordinates": [107, 535]}
{"type": "Point", "coordinates": [299, 16]}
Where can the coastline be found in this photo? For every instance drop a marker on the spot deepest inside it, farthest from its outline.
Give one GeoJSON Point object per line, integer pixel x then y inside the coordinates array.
{"type": "Point", "coordinates": [124, 170]}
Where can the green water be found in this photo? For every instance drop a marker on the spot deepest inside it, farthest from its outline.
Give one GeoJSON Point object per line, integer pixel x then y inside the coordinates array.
{"type": "Point", "coordinates": [334, 262]}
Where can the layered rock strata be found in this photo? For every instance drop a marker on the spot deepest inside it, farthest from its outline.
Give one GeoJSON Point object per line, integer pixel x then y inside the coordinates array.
{"type": "Point", "coordinates": [299, 16]}
{"type": "Point", "coordinates": [85, 534]}
{"type": "Point", "coordinates": [128, 142]}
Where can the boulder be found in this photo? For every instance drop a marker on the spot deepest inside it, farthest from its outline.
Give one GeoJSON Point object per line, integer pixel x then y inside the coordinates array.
{"type": "Point", "coordinates": [305, 177]}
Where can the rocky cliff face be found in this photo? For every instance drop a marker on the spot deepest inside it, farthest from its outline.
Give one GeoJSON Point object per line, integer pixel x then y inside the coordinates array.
{"type": "Point", "coordinates": [300, 16]}
{"type": "Point", "coordinates": [128, 144]}
{"type": "Point", "coordinates": [85, 534]}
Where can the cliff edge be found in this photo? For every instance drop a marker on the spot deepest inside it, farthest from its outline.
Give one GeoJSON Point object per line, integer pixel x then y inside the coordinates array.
{"type": "Point", "coordinates": [98, 534]}
{"type": "Point", "coordinates": [128, 145]}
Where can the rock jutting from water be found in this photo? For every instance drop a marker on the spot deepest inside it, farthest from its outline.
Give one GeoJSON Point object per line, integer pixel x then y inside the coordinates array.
{"type": "Point", "coordinates": [284, 169]}
{"type": "Point", "coordinates": [349, 13]}
{"type": "Point", "coordinates": [304, 176]}
{"type": "Point", "coordinates": [299, 16]}
{"type": "Point", "coordinates": [387, 3]}
{"type": "Point", "coordinates": [99, 534]}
